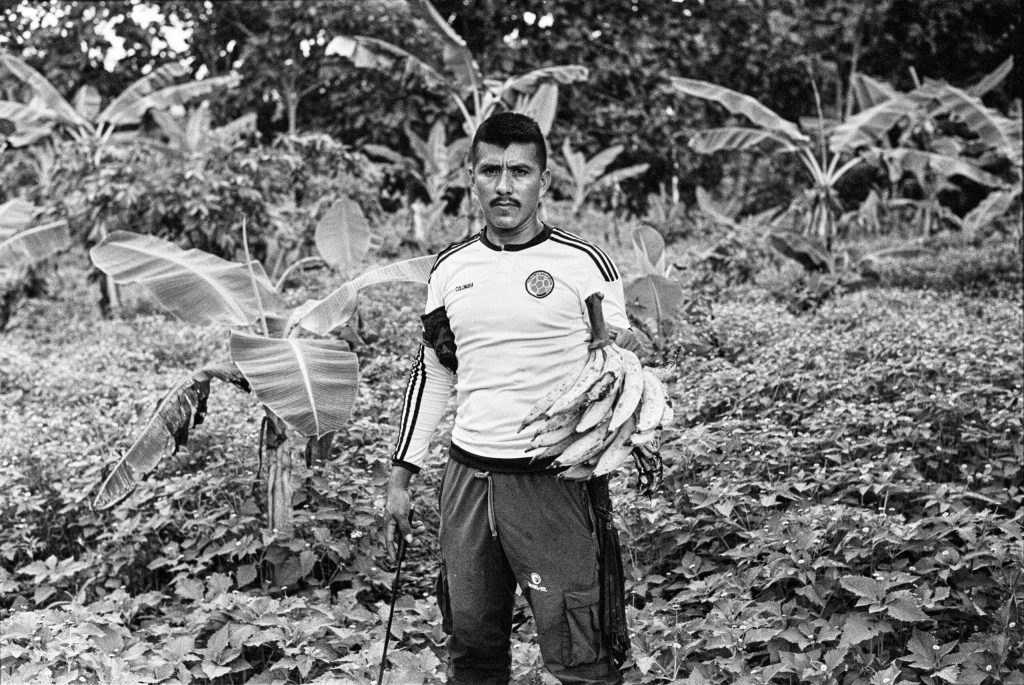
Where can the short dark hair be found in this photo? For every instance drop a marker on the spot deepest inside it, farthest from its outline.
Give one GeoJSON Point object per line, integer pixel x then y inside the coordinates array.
{"type": "Point", "coordinates": [505, 128]}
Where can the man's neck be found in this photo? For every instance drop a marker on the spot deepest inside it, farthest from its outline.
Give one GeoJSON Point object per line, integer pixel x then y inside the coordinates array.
{"type": "Point", "coordinates": [517, 236]}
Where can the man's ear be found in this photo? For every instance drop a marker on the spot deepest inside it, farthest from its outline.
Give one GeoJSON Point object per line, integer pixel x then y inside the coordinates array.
{"type": "Point", "coordinates": [545, 181]}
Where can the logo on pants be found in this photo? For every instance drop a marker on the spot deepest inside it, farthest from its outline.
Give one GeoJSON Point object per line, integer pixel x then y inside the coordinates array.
{"type": "Point", "coordinates": [534, 583]}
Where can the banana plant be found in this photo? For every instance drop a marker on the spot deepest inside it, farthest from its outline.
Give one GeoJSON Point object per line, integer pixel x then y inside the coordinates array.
{"type": "Point", "coordinates": [23, 245]}
{"type": "Point", "coordinates": [305, 386]}
{"type": "Point", "coordinates": [438, 167]}
{"type": "Point", "coordinates": [454, 70]}
{"type": "Point", "coordinates": [828, 273]}
{"type": "Point", "coordinates": [820, 206]}
{"type": "Point", "coordinates": [191, 136]}
{"type": "Point", "coordinates": [83, 117]}
{"type": "Point", "coordinates": [917, 119]}
{"type": "Point", "coordinates": [587, 176]}
{"type": "Point", "coordinates": [652, 298]}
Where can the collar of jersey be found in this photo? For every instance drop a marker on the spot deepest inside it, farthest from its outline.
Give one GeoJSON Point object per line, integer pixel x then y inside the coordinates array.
{"type": "Point", "coordinates": [544, 234]}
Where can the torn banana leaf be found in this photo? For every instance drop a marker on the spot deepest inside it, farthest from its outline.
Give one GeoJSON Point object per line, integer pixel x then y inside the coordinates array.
{"type": "Point", "coordinates": [171, 421]}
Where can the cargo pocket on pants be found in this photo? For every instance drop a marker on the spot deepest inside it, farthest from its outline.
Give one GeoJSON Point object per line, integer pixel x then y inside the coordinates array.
{"type": "Point", "coordinates": [583, 621]}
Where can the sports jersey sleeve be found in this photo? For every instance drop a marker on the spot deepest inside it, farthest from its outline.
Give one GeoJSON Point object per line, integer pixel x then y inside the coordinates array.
{"type": "Point", "coordinates": [609, 282]}
{"type": "Point", "coordinates": [426, 396]}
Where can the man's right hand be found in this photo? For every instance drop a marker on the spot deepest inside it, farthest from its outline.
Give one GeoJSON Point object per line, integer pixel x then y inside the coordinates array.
{"type": "Point", "coordinates": [398, 508]}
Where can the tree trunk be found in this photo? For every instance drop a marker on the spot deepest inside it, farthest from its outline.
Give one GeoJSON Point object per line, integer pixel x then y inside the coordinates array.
{"type": "Point", "coordinates": [279, 489]}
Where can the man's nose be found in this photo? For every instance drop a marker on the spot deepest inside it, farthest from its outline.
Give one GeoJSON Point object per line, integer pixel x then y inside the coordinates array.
{"type": "Point", "coordinates": [504, 182]}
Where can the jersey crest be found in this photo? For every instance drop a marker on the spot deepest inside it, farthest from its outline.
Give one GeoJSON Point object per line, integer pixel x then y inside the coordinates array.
{"type": "Point", "coordinates": [540, 284]}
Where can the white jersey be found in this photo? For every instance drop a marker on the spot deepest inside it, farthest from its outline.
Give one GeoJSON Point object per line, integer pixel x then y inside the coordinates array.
{"type": "Point", "coordinates": [520, 323]}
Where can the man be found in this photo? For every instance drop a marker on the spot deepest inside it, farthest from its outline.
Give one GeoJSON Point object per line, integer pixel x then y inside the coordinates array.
{"type": "Point", "coordinates": [505, 320]}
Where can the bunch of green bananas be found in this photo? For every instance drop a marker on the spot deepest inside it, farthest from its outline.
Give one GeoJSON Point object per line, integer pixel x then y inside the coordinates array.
{"type": "Point", "coordinates": [607, 408]}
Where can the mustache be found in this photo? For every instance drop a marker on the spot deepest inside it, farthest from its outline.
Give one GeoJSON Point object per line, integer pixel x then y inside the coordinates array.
{"type": "Point", "coordinates": [504, 200]}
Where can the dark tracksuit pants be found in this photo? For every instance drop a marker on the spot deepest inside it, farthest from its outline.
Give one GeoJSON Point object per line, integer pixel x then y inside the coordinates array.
{"type": "Point", "coordinates": [531, 529]}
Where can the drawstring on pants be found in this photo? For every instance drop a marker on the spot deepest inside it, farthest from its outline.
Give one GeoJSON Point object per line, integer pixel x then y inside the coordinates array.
{"type": "Point", "coordinates": [490, 500]}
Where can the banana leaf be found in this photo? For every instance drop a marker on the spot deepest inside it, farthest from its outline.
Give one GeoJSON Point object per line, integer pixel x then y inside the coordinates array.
{"type": "Point", "coordinates": [654, 299]}
{"type": "Point", "coordinates": [927, 164]}
{"type": "Point", "coordinates": [323, 316]}
{"type": "Point", "coordinates": [21, 114]}
{"type": "Point", "coordinates": [995, 130]}
{"type": "Point", "coordinates": [738, 103]}
{"type": "Point", "coordinates": [737, 138]}
{"type": "Point", "coordinates": [458, 152]}
{"type": "Point", "coordinates": [575, 162]}
{"type": "Point", "coordinates": [561, 75]}
{"type": "Point", "coordinates": [619, 175]}
{"type": "Point", "coordinates": [342, 235]}
{"type": "Point", "coordinates": [868, 92]}
{"type": "Point", "coordinates": [649, 248]}
{"type": "Point", "coordinates": [718, 212]}
{"type": "Point", "coordinates": [197, 127]}
{"type": "Point", "coordinates": [48, 97]}
{"type": "Point", "coordinates": [170, 422]}
{"type": "Point", "coordinates": [171, 126]}
{"type": "Point", "coordinates": [596, 165]}
{"type": "Point", "coordinates": [15, 215]}
{"type": "Point", "coordinates": [87, 102]}
{"type": "Point", "coordinates": [161, 77]}
{"type": "Point", "coordinates": [541, 106]}
{"type": "Point", "coordinates": [372, 53]}
{"type": "Point", "coordinates": [992, 79]}
{"type": "Point", "coordinates": [131, 111]}
{"type": "Point", "coordinates": [310, 384]}
{"type": "Point", "coordinates": [35, 244]}
{"type": "Point", "coordinates": [384, 152]}
{"type": "Point", "coordinates": [803, 249]}
{"type": "Point", "coordinates": [995, 205]}
{"type": "Point", "coordinates": [871, 126]}
{"type": "Point", "coordinates": [198, 287]}
{"type": "Point", "coordinates": [235, 129]}
{"type": "Point", "coordinates": [458, 60]}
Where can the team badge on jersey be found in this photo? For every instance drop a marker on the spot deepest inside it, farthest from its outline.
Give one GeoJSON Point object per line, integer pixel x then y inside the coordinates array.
{"type": "Point", "coordinates": [540, 284]}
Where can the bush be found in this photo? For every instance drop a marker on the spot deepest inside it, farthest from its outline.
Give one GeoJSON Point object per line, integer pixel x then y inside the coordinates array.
{"type": "Point", "coordinates": [994, 267]}
{"type": "Point", "coordinates": [845, 499]}
{"type": "Point", "coordinates": [201, 201]}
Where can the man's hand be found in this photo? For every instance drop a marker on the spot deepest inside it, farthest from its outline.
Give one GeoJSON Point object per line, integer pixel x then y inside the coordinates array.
{"type": "Point", "coordinates": [626, 339]}
{"type": "Point", "coordinates": [397, 510]}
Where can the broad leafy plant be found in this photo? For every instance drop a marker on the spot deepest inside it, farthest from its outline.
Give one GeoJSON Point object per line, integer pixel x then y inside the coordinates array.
{"type": "Point", "coordinates": [585, 177]}
{"type": "Point", "coordinates": [191, 136]}
{"type": "Point", "coordinates": [935, 133]}
{"type": "Point", "coordinates": [47, 111]}
{"type": "Point", "coordinates": [22, 246]}
{"type": "Point", "coordinates": [826, 273]}
{"type": "Point", "coordinates": [304, 385]}
{"type": "Point", "coordinates": [455, 71]}
{"type": "Point", "coordinates": [439, 166]}
{"type": "Point", "coordinates": [820, 206]}
{"type": "Point", "coordinates": [912, 118]}
{"type": "Point", "coordinates": [652, 299]}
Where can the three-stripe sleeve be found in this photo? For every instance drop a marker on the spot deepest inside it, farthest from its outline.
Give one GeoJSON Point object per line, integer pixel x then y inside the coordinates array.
{"type": "Point", "coordinates": [426, 397]}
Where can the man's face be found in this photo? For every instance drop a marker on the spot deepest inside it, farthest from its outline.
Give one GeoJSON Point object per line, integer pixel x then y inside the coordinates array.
{"type": "Point", "coordinates": [509, 182]}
